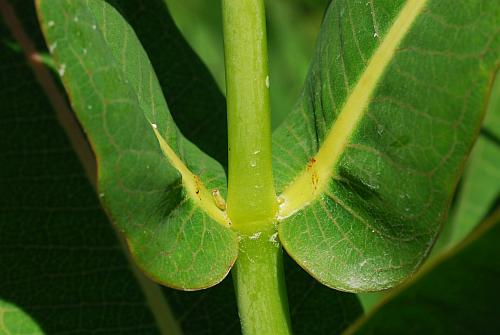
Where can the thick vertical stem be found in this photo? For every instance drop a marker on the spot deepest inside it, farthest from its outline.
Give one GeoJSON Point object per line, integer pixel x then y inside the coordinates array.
{"type": "Point", "coordinates": [260, 286]}
{"type": "Point", "coordinates": [251, 203]}
{"type": "Point", "coordinates": [251, 195]}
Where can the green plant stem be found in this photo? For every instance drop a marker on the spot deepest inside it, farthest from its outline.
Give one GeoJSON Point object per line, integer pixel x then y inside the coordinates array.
{"type": "Point", "coordinates": [251, 194]}
{"type": "Point", "coordinates": [251, 203]}
{"type": "Point", "coordinates": [260, 285]}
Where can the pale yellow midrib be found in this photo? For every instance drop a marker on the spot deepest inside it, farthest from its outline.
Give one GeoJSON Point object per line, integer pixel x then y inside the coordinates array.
{"type": "Point", "coordinates": [202, 197]}
{"type": "Point", "coordinates": [303, 190]}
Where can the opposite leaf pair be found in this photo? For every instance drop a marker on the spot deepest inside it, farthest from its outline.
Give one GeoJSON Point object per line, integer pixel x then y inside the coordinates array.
{"type": "Point", "coordinates": [366, 164]}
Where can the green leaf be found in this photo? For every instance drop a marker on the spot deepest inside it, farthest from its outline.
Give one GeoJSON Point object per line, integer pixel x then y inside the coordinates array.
{"type": "Point", "coordinates": [491, 125]}
{"type": "Point", "coordinates": [194, 100]}
{"type": "Point", "coordinates": [479, 192]}
{"type": "Point", "coordinates": [476, 196]}
{"type": "Point", "coordinates": [480, 187]}
{"type": "Point", "coordinates": [368, 161]}
{"type": "Point", "coordinates": [62, 268]}
{"type": "Point", "coordinates": [455, 294]}
{"type": "Point", "coordinates": [175, 229]}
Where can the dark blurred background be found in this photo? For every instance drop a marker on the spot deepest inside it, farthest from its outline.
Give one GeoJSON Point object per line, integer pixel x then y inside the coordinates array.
{"type": "Point", "coordinates": [292, 29]}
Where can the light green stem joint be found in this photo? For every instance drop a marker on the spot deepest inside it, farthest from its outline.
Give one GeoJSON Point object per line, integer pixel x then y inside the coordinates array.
{"type": "Point", "coordinates": [251, 203]}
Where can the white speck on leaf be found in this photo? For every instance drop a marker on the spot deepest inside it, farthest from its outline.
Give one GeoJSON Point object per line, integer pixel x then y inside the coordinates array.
{"type": "Point", "coordinates": [273, 238]}
{"type": "Point", "coordinates": [50, 24]}
{"type": "Point", "coordinates": [84, 51]}
{"type": "Point", "coordinates": [154, 125]}
{"type": "Point", "coordinates": [89, 107]}
{"type": "Point", "coordinates": [62, 69]}
{"type": "Point", "coordinates": [53, 47]}
{"type": "Point", "coordinates": [256, 236]}
{"type": "Point", "coordinates": [355, 282]}
{"type": "Point", "coordinates": [375, 35]}
{"type": "Point", "coordinates": [75, 19]}
{"type": "Point", "coordinates": [94, 27]}
{"type": "Point", "coordinates": [267, 81]}
{"type": "Point", "coordinates": [101, 195]}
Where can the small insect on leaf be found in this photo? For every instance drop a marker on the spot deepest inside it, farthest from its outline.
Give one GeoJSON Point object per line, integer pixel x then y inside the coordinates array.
{"type": "Point", "coordinates": [218, 199]}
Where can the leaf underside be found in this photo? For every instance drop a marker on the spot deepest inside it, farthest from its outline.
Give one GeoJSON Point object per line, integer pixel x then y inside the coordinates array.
{"type": "Point", "coordinates": [480, 186]}
{"type": "Point", "coordinates": [456, 294]}
{"type": "Point", "coordinates": [53, 228]}
{"type": "Point", "coordinates": [66, 237]}
{"type": "Point", "coordinates": [374, 212]}
{"type": "Point", "coordinates": [194, 100]}
{"type": "Point", "coordinates": [62, 267]}
{"type": "Point", "coordinates": [116, 96]}
{"type": "Point", "coordinates": [387, 194]}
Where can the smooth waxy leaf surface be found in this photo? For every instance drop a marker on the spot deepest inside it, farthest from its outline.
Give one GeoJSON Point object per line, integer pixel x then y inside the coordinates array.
{"type": "Point", "coordinates": [148, 172]}
{"type": "Point", "coordinates": [368, 161]}
{"type": "Point", "coordinates": [455, 294]}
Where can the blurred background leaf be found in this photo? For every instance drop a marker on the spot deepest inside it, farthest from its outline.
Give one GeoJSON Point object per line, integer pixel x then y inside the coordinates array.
{"type": "Point", "coordinates": [292, 29]}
